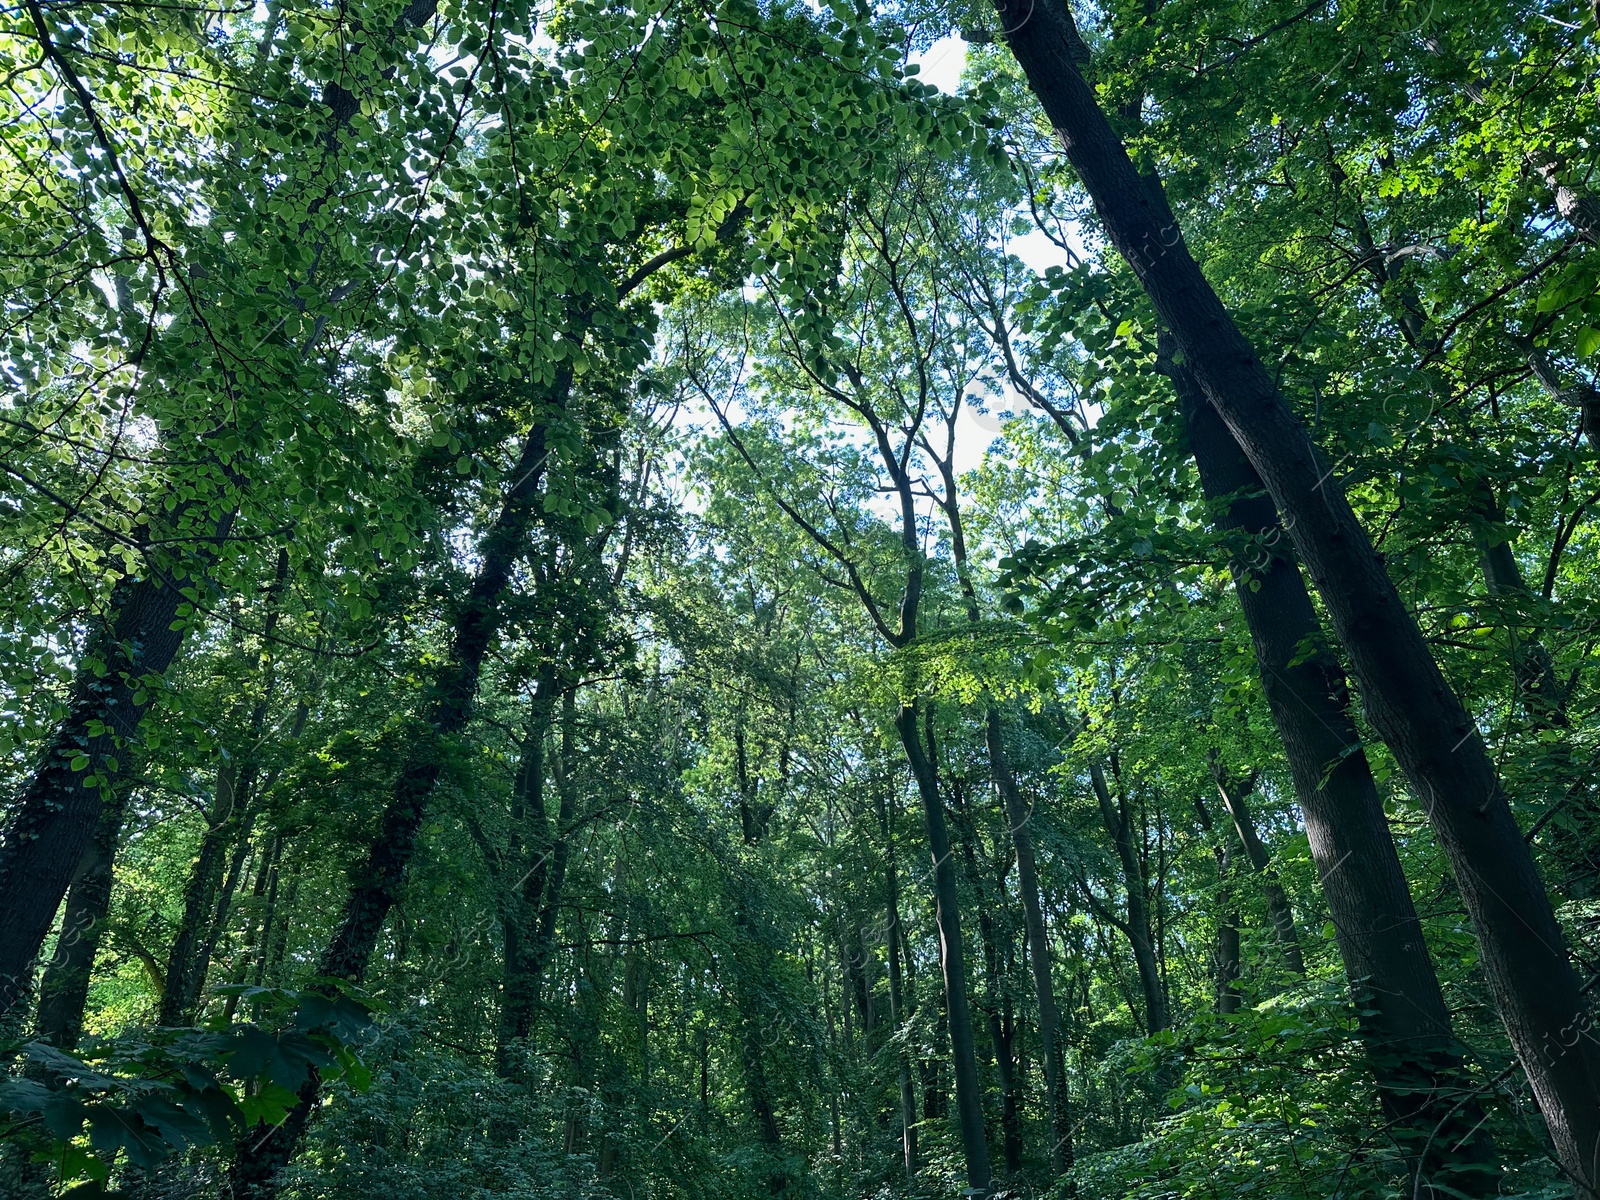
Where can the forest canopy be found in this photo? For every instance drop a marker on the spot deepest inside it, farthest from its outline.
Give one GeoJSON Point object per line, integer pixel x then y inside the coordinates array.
{"type": "Point", "coordinates": [625, 598]}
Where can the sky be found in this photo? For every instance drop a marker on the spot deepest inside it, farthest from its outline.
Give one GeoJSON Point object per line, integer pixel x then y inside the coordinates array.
{"type": "Point", "coordinates": [941, 66]}
{"type": "Point", "coordinates": [943, 62]}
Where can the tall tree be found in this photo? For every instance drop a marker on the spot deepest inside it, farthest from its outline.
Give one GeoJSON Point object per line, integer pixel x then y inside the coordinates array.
{"type": "Point", "coordinates": [1406, 695]}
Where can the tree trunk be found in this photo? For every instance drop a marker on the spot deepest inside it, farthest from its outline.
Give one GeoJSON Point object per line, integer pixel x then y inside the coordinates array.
{"type": "Point", "coordinates": [1017, 817]}
{"type": "Point", "coordinates": [1227, 952]}
{"type": "Point", "coordinates": [751, 925]}
{"type": "Point", "coordinates": [1543, 695]}
{"type": "Point", "coordinates": [375, 885]}
{"type": "Point", "coordinates": [277, 946]}
{"type": "Point", "coordinates": [1402, 1013]}
{"type": "Point", "coordinates": [897, 1003]}
{"type": "Point", "coordinates": [377, 882]}
{"type": "Point", "coordinates": [271, 879]}
{"type": "Point", "coordinates": [54, 818]}
{"type": "Point", "coordinates": [1407, 697]}
{"type": "Point", "coordinates": [1002, 1031]}
{"type": "Point", "coordinates": [1119, 827]}
{"type": "Point", "coordinates": [224, 825]}
{"type": "Point", "coordinates": [259, 927]}
{"type": "Point", "coordinates": [523, 874]}
{"type": "Point", "coordinates": [1235, 796]}
{"type": "Point", "coordinates": [224, 908]}
{"type": "Point", "coordinates": [64, 990]}
{"type": "Point", "coordinates": [952, 956]}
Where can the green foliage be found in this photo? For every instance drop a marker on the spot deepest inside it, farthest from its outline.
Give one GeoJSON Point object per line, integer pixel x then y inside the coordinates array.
{"type": "Point", "coordinates": [141, 1098]}
{"type": "Point", "coordinates": [862, 414]}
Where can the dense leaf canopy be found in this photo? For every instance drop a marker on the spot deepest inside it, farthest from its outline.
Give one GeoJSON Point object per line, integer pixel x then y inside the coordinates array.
{"type": "Point", "coordinates": [619, 599]}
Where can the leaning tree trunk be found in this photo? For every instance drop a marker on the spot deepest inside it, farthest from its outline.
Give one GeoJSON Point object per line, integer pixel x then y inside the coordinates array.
{"type": "Point", "coordinates": [375, 886]}
{"type": "Point", "coordinates": [54, 818]}
{"type": "Point", "coordinates": [1407, 697]}
{"type": "Point", "coordinates": [64, 990]}
{"type": "Point", "coordinates": [1235, 795]}
{"type": "Point", "coordinates": [1402, 1013]}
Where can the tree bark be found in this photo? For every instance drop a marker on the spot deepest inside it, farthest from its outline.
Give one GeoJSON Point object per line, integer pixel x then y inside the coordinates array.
{"type": "Point", "coordinates": [897, 1003]}
{"type": "Point", "coordinates": [54, 818]}
{"type": "Point", "coordinates": [1402, 1013]}
{"type": "Point", "coordinates": [996, 1007]}
{"type": "Point", "coordinates": [1227, 952]}
{"type": "Point", "coordinates": [523, 874]}
{"type": "Point", "coordinates": [1119, 827]}
{"type": "Point", "coordinates": [1018, 816]}
{"type": "Point", "coordinates": [224, 831]}
{"type": "Point", "coordinates": [64, 990]}
{"type": "Point", "coordinates": [1407, 697]}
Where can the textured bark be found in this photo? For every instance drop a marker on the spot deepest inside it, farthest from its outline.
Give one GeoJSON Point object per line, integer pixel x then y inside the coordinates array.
{"type": "Point", "coordinates": [1576, 206]}
{"type": "Point", "coordinates": [1402, 1013]}
{"type": "Point", "coordinates": [64, 990]}
{"type": "Point", "coordinates": [1582, 396]}
{"type": "Point", "coordinates": [54, 817]}
{"type": "Point", "coordinates": [1406, 696]}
